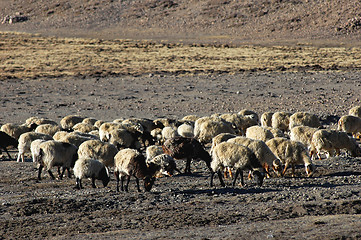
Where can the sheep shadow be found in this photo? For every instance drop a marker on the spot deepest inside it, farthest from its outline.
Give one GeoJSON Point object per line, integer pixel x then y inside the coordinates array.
{"type": "Point", "coordinates": [343, 174]}
{"type": "Point", "coordinates": [225, 191]}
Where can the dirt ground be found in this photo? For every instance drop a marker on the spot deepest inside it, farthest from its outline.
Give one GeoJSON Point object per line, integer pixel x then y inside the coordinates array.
{"type": "Point", "coordinates": [301, 56]}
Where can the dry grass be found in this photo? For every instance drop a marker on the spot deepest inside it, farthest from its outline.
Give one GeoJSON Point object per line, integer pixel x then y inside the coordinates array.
{"type": "Point", "coordinates": [25, 56]}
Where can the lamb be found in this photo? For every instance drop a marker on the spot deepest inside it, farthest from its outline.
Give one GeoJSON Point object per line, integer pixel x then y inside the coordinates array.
{"type": "Point", "coordinates": [25, 140]}
{"type": "Point", "coordinates": [262, 152]}
{"type": "Point", "coordinates": [6, 141]}
{"type": "Point", "coordinates": [189, 148]}
{"type": "Point", "coordinates": [231, 155]}
{"type": "Point", "coordinates": [291, 153]}
{"type": "Point", "coordinates": [329, 140]}
{"type": "Point", "coordinates": [49, 129]}
{"type": "Point", "coordinates": [303, 134]}
{"type": "Point", "coordinates": [15, 130]}
{"type": "Point", "coordinates": [350, 124]}
{"type": "Point", "coordinates": [130, 162]}
{"type": "Point", "coordinates": [90, 168]}
{"type": "Point", "coordinates": [99, 150]}
{"type": "Point", "coordinates": [185, 130]}
{"type": "Point", "coordinates": [304, 119]}
{"type": "Point", "coordinates": [69, 121]}
{"type": "Point", "coordinates": [211, 128]}
{"type": "Point", "coordinates": [266, 119]}
{"type": "Point", "coordinates": [355, 111]}
{"type": "Point", "coordinates": [259, 133]}
{"type": "Point", "coordinates": [281, 120]}
{"type": "Point", "coordinates": [166, 164]}
{"type": "Point", "coordinates": [53, 153]}
{"type": "Point", "coordinates": [84, 127]}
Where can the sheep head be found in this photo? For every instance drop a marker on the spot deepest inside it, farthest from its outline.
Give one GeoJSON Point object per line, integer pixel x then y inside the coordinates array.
{"type": "Point", "coordinates": [258, 176]}
{"type": "Point", "coordinates": [148, 183]}
{"type": "Point", "coordinates": [104, 176]}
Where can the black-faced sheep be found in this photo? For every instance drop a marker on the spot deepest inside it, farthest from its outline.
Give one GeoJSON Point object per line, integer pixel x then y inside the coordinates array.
{"type": "Point", "coordinates": [231, 155]}
{"type": "Point", "coordinates": [96, 149]}
{"type": "Point", "coordinates": [129, 162]}
{"type": "Point", "coordinates": [186, 148]}
{"type": "Point", "coordinates": [90, 168]}
{"type": "Point", "coordinates": [25, 140]}
{"type": "Point", "coordinates": [330, 140]}
{"type": "Point", "coordinates": [6, 141]}
{"type": "Point", "coordinates": [53, 153]}
{"type": "Point", "coordinates": [166, 165]}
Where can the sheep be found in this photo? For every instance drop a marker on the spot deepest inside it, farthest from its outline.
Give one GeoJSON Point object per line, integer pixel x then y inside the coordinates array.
{"type": "Point", "coordinates": [48, 128]}
{"type": "Point", "coordinates": [25, 140]}
{"type": "Point", "coordinates": [99, 150]}
{"type": "Point", "coordinates": [166, 164]}
{"type": "Point", "coordinates": [169, 132]}
{"type": "Point", "coordinates": [84, 127]}
{"type": "Point", "coordinates": [157, 135]}
{"type": "Point", "coordinates": [329, 140]}
{"type": "Point", "coordinates": [281, 120]}
{"type": "Point", "coordinates": [275, 131]}
{"type": "Point", "coordinates": [355, 111]}
{"type": "Point", "coordinates": [350, 124]}
{"type": "Point", "coordinates": [247, 112]}
{"type": "Point", "coordinates": [53, 153]}
{"type": "Point", "coordinates": [185, 130]}
{"type": "Point", "coordinates": [222, 137]}
{"type": "Point", "coordinates": [266, 119]}
{"type": "Point", "coordinates": [69, 121]}
{"type": "Point", "coordinates": [106, 127]}
{"type": "Point", "coordinates": [147, 124]}
{"type": "Point", "coordinates": [39, 121]}
{"type": "Point", "coordinates": [98, 123]}
{"type": "Point", "coordinates": [6, 141]}
{"type": "Point", "coordinates": [15, 130]}
{"type": "Point", "coordinates": [231, 155]}
{"type": "Point", "coordinates": [259, 133]}
{"type": "Point", "coordinates": [153, 151]}
{"type": "Point", "coordinates": [304, 119]}
{"type": "Point", "coordinates": [76, 138]}
{"type": "Point", "coordinates": [90, 168]}
{"type": "Point", "coordinates": [165, 122]}
{"type": "Point", "coordinates": [291, 153]}
{"type": "Point", "coordinates": [211, 128]}
{"type": "Point", "coordinates": [35, 148]}
{"type": "Point", "coordinates": [59, 135]}
{"type": "Point", "coordinates": [191, 118]}
{"type": "Point", "coordinates": [122, 138]}
{"type": "Point", "coordinates": [303, 134]}
{"type": "Point", "coordinates": [90, 121]}
{"type": "Point", "coordinates": [130, 162]}
{"type": "Point", "coordinates": [262, 152]}
{"type": "Point", "coordinates": [189, 148]}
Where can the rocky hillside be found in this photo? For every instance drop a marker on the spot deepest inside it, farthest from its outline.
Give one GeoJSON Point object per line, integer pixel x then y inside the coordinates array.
{"type": "Point", "coordinates": [248, 21]}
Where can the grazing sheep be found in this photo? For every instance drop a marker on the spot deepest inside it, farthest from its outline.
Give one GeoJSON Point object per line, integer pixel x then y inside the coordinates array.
{"type": "Point", "coordinates": [355, 111]}
{"type": "Point", "coordinates": [222, 137]}
{"type": "Point", "coordinates": [39, 121]}
{"type": "Point", "coordinates": [281, 120]}
{"type": "Point", "coordinates": [90, 168]}
{"type": "Point", "coordinates": [211, 128]}
{"type": "Point", "coordinates": [129, 162]}
{"type": "Point", "coordinates": [259, 133]}
{"type": "Point", "coordinates": [304, 119]}
{"type": "Point", "coordinates": [49, 129]}
{"type": "Point", "coordinates": [186, 130]}
{"type": "Point", "coordinates": [147, 124]}
{"type": "Point", "coordinates": [84, 127]}
{"type": "Point", "coordinates": [35, 148]}
{"type": "Point", "coordinates": [266, 119]}
{"type": "Point", "coordinates": [122, 138]}
{"type": "Point", "coordinates": [59, 135]}
{"type": "Point", "coordinates": [188, 148]}
{"type": "Point", "coordinates": [6, 141]}
{"type": "Point", "coordinates": [350, 124]}
{"type": "Point", "coordinates": [107, 127]}
{"type": "Point", "coordinates": [247, 112]}
{"type": "Point", "coordinates": [231, 155]}
{"type": "Point", "coordinates": [90, 121]}
{"type": "Point", "coordinates": [275, 131]}
{"type": "Point", "coordinates": [15, 130]}
{"type": "Point", "coordinates": [169, 132]}
{"type": "Point", "coordinates": [165, 122]}
{"type": "Point", "coordinates": [76, 138]}
{"type": "Point", "coordinates": [166, 165]}
{"type": "Point", "coordinates": [25, 140]}
{"type": "Point", "coordinates": [291, 153]}
{"type": "Point", "coordinates": [330, 140]}
{"type": "Point", "coordinates": [302, 134]}
{"type": "Point", "coordinates": [262, 152]}
{"type": "Point", "coordinates": [99, 150]}
{"type": "Point", "coordinates": [69, 121]}
{"type": "Point", "coordinates": [53, 153]}
{"type": "Point", "coordinates": [153, 151]}
{"type": "Point", "coordinates": [98, 123]}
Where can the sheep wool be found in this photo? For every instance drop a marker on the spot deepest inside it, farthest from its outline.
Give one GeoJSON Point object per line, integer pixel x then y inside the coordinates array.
{"type": "Point", "coordinates": [259, 133]}
{"type": "Point", "coordinates": [302, 134]}
{"type": "Point", "coordinates": [350, 124]}
{"type": "Point", "coordinates": [90, 168]}
{"type": "Point", "coordinates": [25, 140]}
{"type": "Point", "coordinates": [96, 149]}
{"type": "Point", "coordinates": [304, 119]}
{"type": "Point", "coordinates": [48, 128]}
{"type": "Point", "coordinates": [355, 111]}
{"type": "Point", "coordinates": [69, 121]}
{"type": "Point", "coordinates": [266, 119]}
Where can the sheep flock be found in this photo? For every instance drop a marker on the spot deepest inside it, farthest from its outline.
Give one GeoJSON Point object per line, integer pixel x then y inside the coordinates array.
{"type": "Point", "coordinates": [147, 149]}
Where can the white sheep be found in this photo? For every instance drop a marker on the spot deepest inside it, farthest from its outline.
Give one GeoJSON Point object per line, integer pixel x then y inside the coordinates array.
{"type": "Point", "coordinates": [222, 137]}
{"type": "Point", "coordinates": [169, 132]}
{"type": "Point", "coordinates": [122, 138]}
{"type": "Point", "coordinates": [304, 119]}
{"type": "Point", "coordinates": [276, 132]}
{"type": "Point", "coordinates": [231, 155]}
{"type": "Point", "coordinates": [303, 134]}
{"type": "Point", "coordinates": [39, 121]}
{"type": "Point", "coordinates": [98, 123]}
{"type": "Point", "coordinates": [247, 112]}
{"type": "Point", "coordinates": [330, 140]}
{"type": "Point", "coordinates": [147, 124]}
{"type": "Point", "coordinates": [166, 165]}
{"type": "Point", "coordinates": [59, 135]}
{"type": "Point", "coordinates": [281, 120]}
{"type": "Point", "coordinates": [84, 127]}
{"type": "Point", "coordinates": [350, 124]}
{"type": "Point", "coordinates": [355, 111]}
{"type": "Point", "coordinates": [99, 150]}
{"type": "Point", "coordinates": [211, 128]}
{"type": "Point", "coordinates": [266, 119]}
{"type": "Point", "coordinates": [53, 153]}
{"type": "Point", "coordinates": [90, 120]}
{"type": "Point", "coordinates": [153, 151]}
{"type": "Point", "coordinates": [107, 127]}
{"type": "Point", "coordinates": [129, 162]}
{"type": "Point", "coordinates": [15, 130]}
{"type": "Point", "coordinates": [291, 153]}
{"type": "Point", "coordinates": [35, 148]}
{"type": "Point", "coordinates": [25, 140]}
{"type": "Point", "coordinates": [262, 152]}
{"type": "Point", "coordinates": [90, 168]}
{"type": "Point", "coordinates": [69, 121]}
{"type": "Point", "coordinates": [191, 118]}
{"type": "Point", "coordinates": [259, 133]}
{"type": "Point", "coordinates": [185, 130]}
{"type": "Point", "coordinates": [47, 128]}
{"type": "Point", "coordinates": [76, 138]}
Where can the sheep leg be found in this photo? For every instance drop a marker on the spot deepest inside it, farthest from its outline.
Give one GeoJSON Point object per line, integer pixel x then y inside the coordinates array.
{"type": "Point", "coordinates": [51, 174]}
{"type": "Point", "coordinates": [137, 181]}
{"type": "Point", "coordinates": [127, 183]}
{"type": "Point", "coordinates": [8, 153]}
{"type": "Point", "coordinates": [235, 178]}
{"type": "Point", "coordinates": [241, 175]}
{"type": "Point", "coordinates": [211, 181]}
{"type": "Point", "coordinates": [293, 170]}
{"type": "Point", "coordinates": [62, 173]}
{"type": "Point", "coordinates": [188, 166]}
{"type": "Point", "coordinates": [39, 173]}
{"type": "Point", "coordinates": [93, 182]}
{"type": "Point", "coordinates": [122, 178]}
{"type": "Point", "coordinates": [69, 173]}
{"type": "Point", "coordinates": [117, 178]}
{"type": "Point", "coordinates": [78, 184]}
{"type": "Point", "coordinates": [284, 170]}
{"type": "Point", "coordinates": [220, 178]}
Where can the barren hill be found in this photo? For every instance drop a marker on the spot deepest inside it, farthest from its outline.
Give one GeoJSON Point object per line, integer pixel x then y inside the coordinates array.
{"type": "Point", "coordinates": [263, 21]}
